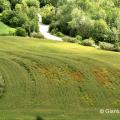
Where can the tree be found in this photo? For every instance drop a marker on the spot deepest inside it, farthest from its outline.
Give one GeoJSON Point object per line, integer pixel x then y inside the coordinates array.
{"type": "Point", "coordinates": [116, 3]}
{"type": "Point", "coordinates": [82, 24]}
{"type": "Point", "coordinates": [101, 30]}
{"type": "Point", "coordinates": [14, 2]}
{"type": "Point", "coordinates": [32, 3]}
{"type": "Point", "coordinates": [20, 32]}
{"type": "Point", "coordinates": [6, 16]}
{"type": "Point", "coordinates": [47, 13]}
{"type": "Point", "coordinates": [63, 17]}
{"type": "Point", "coordinates": [43, 2]}
{"type": "Point", "coordinates": [55, 3]}
{"type": "Point", "coordinates": [4, 5]}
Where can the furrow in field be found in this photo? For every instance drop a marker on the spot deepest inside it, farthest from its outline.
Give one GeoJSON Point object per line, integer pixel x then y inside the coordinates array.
{"type": "Point", "coordinates": [71, 66]}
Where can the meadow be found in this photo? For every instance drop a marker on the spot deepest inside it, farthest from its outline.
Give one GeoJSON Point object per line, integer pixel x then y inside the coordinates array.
{"type": "Point", "coordinates": [57, 80]}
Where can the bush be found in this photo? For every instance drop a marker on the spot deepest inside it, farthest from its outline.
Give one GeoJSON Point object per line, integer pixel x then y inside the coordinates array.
{"type": "Point", "coordinates": [11, 33]}
{"type": "Point", "coordinates": [59, 34]}
{"type": "Point", "coordinates": [47, 13]}
{"type": "Point", "coordinates": [37, 35]}
{"type": "Point", "coordinates": [53, 31]}
{"type": "Point", "coordinates": [46, 20]}
{"type": "Point", "coordinates": [78, 37]}
{"type": "Point", "coordinates": [70, 39]}
{"type": "Point", "coordinates": [88, 42]}
{"type": "Point", "coordinates": [101, 31]}
{"type": "Point", "coordinates": [39, 118]}
{"type": "Point", "coordinates": [21, 31]}
{"type": "Point", "coordinates": [106, 46]}
{"type": "Point", "coordinates": [33, 3]}
{"type": "Point", "coordinates": [4, 5]}
{"type": "Point", "coordinates": [117, 47]}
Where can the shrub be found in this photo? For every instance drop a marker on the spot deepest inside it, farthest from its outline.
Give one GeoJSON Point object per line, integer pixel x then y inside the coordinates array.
{"type": "Point", "coordinates": [33, 3]}
{"type": "Point", "coordinates": [60, 34]}
{"type": "Point", "coordinates": [37, 35]}
{"type": "Point", "coordinates": [46, 20]}
{"type": "Point", "coordinates": [53, 31]}
{"type": "Point", "coordinates": [101, 31]}
{"type": "Point", "coordinates": [88, 42]}
{"type": "Point", "coordinates": [6, 16]}
{"type": "Point", "coordinates": [39, 118]}
{"type": "Point", "coordinates": [70, 39]}
{"type": "Point", "coordinates": [47, 13]}
{"type": "Point", "coordinates": [4, 5]}
{"type": "Point", "coordinates": [106, 46]}
{"type": "Point", "coordinates": [78, 37]}
{"type": "Point", "coordinates": [21, 31]}
{"type": "Point", "coordinates": [117, 47]}
{"type": "Point", "coordinates": [11, 33]}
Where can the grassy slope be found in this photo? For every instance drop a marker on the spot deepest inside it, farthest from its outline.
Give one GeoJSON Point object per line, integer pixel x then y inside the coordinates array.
{"type": "Point", "coordinates": [57, 80]}
{"type": "Point", "coordinates": [4, 29]}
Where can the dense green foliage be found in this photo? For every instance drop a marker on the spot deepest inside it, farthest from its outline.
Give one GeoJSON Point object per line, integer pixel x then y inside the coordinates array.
{"type": "Point", "coordinates": [47, 13]}
{"type": "Point", "coordinates": [99, 20]}
{"type": "Point", "coordinates": [20, 13]}
{"type": "Point", "coordinates": [20, 32]}
{"type": "Point", "coordinates": [57, 80]}
{"type": "Point", "coordinates": [37, 35]}
{"type": "Point", "coordinates": [4, 5]}
{"type": "Point", "coordinates": [70, 39]}
{"type": "Point", "coordinates": [88, 42]}
{"type": "Point", "coordinates": [109, 46]}
{"type": "Point", "coordinates": [89, 18]}
{"type": "Point", "coordinates": [106, 46]}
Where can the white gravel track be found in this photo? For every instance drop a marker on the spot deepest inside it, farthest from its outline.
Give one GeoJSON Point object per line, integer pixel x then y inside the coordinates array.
{"type": "Point", "coordinates": [44, 30]}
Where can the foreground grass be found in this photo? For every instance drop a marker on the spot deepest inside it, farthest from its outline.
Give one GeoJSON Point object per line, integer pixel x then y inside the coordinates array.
{"type": "Point", "coordinates": [4, 29]}
{"type": "Point", "coordinates": [57, 80]}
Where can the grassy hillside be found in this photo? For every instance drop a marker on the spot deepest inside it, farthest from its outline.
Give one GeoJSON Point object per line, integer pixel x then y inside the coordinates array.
{"type": "Point", "coordinates": [57, 80]}
{"type": "Point", "coordinates": [4, 29]}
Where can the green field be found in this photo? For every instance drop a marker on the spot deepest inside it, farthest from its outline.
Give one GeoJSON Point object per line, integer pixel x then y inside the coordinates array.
{"type": "Point", "coordinates": [4, 29]}
{"type": "Point", "coordinates": [57, 80]}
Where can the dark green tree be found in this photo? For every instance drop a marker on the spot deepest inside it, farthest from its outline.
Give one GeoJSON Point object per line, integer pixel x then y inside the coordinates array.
{"type": "Point", "coordinates": [4, 5]}
{"type": "Point", "coordinates": [14, 2]}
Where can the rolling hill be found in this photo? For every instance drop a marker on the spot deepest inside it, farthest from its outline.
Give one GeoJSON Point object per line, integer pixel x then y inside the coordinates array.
{"type": "Point", "coordinates": [57, 80]}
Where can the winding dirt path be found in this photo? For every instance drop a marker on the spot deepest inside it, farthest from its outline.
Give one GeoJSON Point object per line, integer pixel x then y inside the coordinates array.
{"type": "Point", "coordinates": [44, 30]}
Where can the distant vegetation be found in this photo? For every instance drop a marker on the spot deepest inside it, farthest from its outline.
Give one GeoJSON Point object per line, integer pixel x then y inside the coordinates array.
{"type": "Point", "coordinates": [20, 13]}
{"type": "Point", "coordinates": [99, 20]}
{"type": "Point", "coordinates": [89, 19]}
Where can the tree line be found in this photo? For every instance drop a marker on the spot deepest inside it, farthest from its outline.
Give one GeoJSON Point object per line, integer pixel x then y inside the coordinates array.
{"type": "Point", "coordinates": [98, 20]}
{"type": "Point", "coordinates": [20, 14]}
{"type": "Point", "coordinates": [85, 19]}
